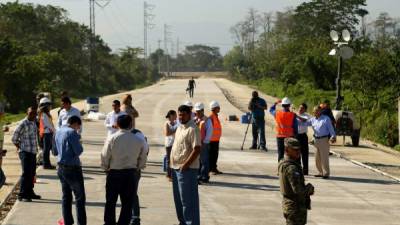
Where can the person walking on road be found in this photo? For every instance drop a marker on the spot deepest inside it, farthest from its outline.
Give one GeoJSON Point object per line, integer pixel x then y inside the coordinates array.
{"type": "Point", "coordinates": [67, 112]}
{"type": "Point", "coordinates": [185, 164]}
{"type": "Point", "coordinates": [206, 131]}
{"type": "Point", "coordinates": [136, 204]}
{"type": "Point", "coordinates": [215, 138]}
{"type": "Point", "coordinates": [122, 156]}
{"type": "Point", "coordinates": [191, 86]}
{"type": "Point", "coordinates": [128, 108]}
{"type": "Point", "coordinates": [286, 124]}
{"type": "Point", "coordinates": [111, 119]}
{"type": "Point", "coordinates": [257, 106]}
{"type": "Point", "coordinates": [296, 194]}
{"type": "Point", "coordinates": [68, 150]}
{"type": "Point", "coordinates": [169, 130]}
{"type": "Point", "coordinates": [25, 139]}
{"type": "Point", "coordinates": [302, 136]}
{"type": "Point", "coordinates": [323, 133]}
{"type": "Point", "coordinates": [46, 130]}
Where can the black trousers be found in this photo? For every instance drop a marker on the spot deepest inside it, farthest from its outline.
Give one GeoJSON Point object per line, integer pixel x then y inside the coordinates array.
{"type": "Point", "coordinates": [28, 164]}
{"type": "Point", "coordinates": [280, 141]}
{"type": "Point", "coordinates": [214, 152]}
{"type": "Point", "coordinates": [303, 139]}
{"type": "Point", "coordinates": [120, 183]}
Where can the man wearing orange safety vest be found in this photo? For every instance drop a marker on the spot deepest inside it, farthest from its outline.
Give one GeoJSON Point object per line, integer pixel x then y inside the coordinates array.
{"type": "Point", "coordinates": [206, 131]}
{"type": "Point", "coordinates": [286, 124]}
{"type": "Point", "coordinates": [216, 135]}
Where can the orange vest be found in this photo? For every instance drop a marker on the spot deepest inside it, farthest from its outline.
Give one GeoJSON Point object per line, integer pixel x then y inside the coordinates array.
{"type": "Point", "coordinates": [284, 124]}
{"type": "Point", "coordinates": [41, 125]}
{"type": "Point", "coordinates": [217, 129]}
{"type": "Point", "coordinates": [202, 127]}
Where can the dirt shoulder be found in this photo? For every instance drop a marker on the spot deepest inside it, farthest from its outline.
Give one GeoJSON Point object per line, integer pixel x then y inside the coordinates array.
{"type": "Point", "coordinates": [368, 153]}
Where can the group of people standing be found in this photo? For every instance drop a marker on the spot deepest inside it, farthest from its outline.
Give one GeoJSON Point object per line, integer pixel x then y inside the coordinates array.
{"type": "Point", "coordinates": [292, 141]}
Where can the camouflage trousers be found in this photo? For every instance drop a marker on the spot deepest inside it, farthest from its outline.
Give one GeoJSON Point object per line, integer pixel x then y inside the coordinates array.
{"type": "Point", "coordinates": [294, 214]}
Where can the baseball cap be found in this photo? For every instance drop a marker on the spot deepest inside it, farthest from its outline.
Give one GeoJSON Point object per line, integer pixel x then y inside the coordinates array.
{"type": "Point", "coordinates": [292, 143]}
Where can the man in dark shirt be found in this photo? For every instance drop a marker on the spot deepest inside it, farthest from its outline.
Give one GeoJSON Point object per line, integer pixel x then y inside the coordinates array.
{"type": "Point", "coordinates": [191, 86]}
{"type": "Point", "coordinates": [327, 111]}
{"type": "Point", "coordinates": [257, 106]}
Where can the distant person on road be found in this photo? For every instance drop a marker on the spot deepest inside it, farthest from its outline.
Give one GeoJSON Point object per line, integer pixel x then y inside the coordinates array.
{"type": "Point", "coordinates": [170, 127]}
{"type": "Point", "coordinates": [296, 194]}
{"type": "Point", "coordinates": [68, 150]}
{"type": "Point", "coordinates": [122, 156]}
{"type": "Point", "coordinates": [136, 204]}
{"type": "Point", "coordinates": [323, 132]}
{"type": "Point", "coordinates": [302, 136]}
{"type": "Point", "coordinates": [286, 124]}
{"type": "Point", "coordinates": [67, 112]}
{"type": "Point", "coordinates": [3, 152]}
{"type": "Point", "coordinates": [206, 131]}
{"type": "Point", "coordinates": [128, 108]}
{"type": "Point", "coordinates": [191, 86]}
{"type": "Point", "coordinates": [111, 119]}
{"type": "Point", "coordinates": [215, 138]}
{"type": "Point", "coordinates": [46, 130]}
{"type": "Point", "coordinates": [185, 164]}
{"type": "Point", "coordinates": [257, 106]}
{"type": "Point", "coordinates": [25, 139]}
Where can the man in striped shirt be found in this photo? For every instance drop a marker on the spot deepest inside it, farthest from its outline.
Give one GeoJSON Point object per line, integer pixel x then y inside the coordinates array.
{"type": "Point", "coordinates": [25, 139]}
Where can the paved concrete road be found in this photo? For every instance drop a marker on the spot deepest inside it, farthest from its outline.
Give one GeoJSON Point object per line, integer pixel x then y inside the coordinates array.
{"type": "Point", "coordinates": [246, 194]}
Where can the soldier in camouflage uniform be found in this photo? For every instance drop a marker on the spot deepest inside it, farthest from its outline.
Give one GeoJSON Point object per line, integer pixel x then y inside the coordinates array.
{"type": "Point", "coordinates": [296, 195]}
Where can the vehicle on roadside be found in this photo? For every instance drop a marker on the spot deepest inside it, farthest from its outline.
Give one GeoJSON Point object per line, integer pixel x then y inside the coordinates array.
{"type": "Point", "coordinates": [347, 125]}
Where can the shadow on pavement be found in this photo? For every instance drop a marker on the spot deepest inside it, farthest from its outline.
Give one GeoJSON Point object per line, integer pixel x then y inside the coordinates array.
{"type": "Point", "coordinates": [257, 176]}
{"type": "Point", "coordinates": [55, 177]}
{"type": "Point", "coordinates": [58, 202]}
{"type": "Point", "coordinates": [382, 165]}
{"type": "Point", "coordinates": [362, 180]}
{"type": "Point", "coordinates": [261, 187]}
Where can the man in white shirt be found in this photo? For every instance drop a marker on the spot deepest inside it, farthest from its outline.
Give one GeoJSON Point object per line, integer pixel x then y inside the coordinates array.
{"type": "Point", "coordinates": [123, 155]}
{"type": "Point", "coordinates": [111, 119]}
{"type": "Point", "coordinates": [302, 136]}
{"type": "Point", "coordinates": [67, 112]}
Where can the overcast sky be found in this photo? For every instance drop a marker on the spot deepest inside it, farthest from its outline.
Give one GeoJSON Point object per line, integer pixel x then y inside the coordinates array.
{"type": "Point", "coordinates": [120, 23]}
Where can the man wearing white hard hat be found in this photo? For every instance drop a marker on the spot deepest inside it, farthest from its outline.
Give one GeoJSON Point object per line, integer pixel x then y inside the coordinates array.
{"type": "Point", "coordinates": [285, 126]}
{"type": "Point", "coordinates": [216, 136]}
{"type": "Point", "coordinates": [190, 104]}
{"type": "Point", "coordinates": [206, 131]}
{"type": "Point", "coordinates": [46, 130]}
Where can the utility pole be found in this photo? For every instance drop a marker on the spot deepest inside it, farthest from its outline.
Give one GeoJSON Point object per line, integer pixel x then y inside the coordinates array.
{"type": "Point", "coordinates": [92, 78]}
{"type": "Point", "coordinates": [159, 56]}
{"type": "Point", "coordinates": [167, 34]}
{"type": "Point", "coordinates": [147, 18]}
{"type": "Point", "coordinates": [92, 40]}
{"type": "Point", "coordinates": [177, 47]}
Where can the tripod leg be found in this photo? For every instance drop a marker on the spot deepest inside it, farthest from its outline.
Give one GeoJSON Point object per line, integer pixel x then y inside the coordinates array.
{"type": "Point", "coordinates": [245, 135]}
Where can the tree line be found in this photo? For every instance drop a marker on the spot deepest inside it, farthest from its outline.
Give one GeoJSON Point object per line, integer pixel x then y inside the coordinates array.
{"type": "Point", "coordinates": [42, 50]}
{"type": "Point", "coordinates": [286, 53]}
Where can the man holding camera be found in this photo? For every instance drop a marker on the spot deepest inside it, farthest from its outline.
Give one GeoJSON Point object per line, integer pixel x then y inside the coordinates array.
{"type": "Point", "coordinates": [257, 106]}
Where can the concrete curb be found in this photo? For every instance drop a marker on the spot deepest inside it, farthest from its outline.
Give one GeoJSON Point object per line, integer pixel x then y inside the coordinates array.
{"type": "Point", "coordinates": [366, 166]}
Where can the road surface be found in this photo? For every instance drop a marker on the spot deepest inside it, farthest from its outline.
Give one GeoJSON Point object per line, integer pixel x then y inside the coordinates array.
{"type": "Point", "coordinates": [246, 194]}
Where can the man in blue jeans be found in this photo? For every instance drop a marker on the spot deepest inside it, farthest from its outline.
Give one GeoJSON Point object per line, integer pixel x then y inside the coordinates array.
{"type": "Point", "coordinates": [68, 148]}
{"type": "Point", "coordinates": [185, 164]}
{"type": "Point", "coordinates": [257, 106]}
{"type": "Point", "coordinates": [206, 130]}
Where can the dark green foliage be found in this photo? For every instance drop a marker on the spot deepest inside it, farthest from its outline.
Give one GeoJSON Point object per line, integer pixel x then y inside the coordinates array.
{"type": "Point", "coordinates": [42, 50]}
